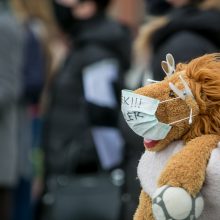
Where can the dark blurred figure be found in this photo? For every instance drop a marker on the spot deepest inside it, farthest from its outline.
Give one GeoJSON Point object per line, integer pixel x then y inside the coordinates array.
{"type": "Point", "coordinates": [134, 143]}
{"type": "Point", "coordinates": [33, 17]}
{"type": "Point", "coordinates": [11, 51]}
{"type": "Point", "coordinates": [190, 29]}
{"type": "Point", "coordinates": [80, 134]}
{"type": "Point", "coordinates": [157, 7]}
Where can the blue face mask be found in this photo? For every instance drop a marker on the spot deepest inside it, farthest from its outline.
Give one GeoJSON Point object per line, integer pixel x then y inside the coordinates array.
{"type": "Point", "coordinates": [139, 112]}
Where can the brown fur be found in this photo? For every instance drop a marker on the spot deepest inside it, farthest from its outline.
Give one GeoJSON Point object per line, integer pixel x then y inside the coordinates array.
{"type": "Point", "coordinates": [204, 75]}
{"type": "Point", "coordinates": [170, 111]}
{"type": "Point", "coordinates": [144, 211]}
{"type": "Point", "coordinates": [187, 168]}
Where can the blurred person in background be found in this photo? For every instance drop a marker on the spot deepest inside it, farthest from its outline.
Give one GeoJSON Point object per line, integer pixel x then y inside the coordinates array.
{"type": "Point", "coordinates": [36, 22]}
{"type": "Point", "coordinates": [157, 7]}
{"type": "Point", "coordinates": [134, 143]}
{"type": "Point", "coordinates": [81, 134]}
{"type": "Point", "coordinates": [189, 30]}
{"type": "Point", "coordinates": [11, 60]}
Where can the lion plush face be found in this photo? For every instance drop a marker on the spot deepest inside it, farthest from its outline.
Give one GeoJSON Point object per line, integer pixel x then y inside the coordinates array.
{"type": "Point", "coordinates": [203, 78]}
{"type": "Point", "coordinates": [171, 109]}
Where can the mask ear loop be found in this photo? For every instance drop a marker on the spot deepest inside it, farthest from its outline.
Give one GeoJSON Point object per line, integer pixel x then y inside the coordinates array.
{"type": "Point", "coordinates": [169, 100]}
{"type": "Point", "coordinates": [190, 117]}
{"type": "Point", "coordinates": [175, 122]}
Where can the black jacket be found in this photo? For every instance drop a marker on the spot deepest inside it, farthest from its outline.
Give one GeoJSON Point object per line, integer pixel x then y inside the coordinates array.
{"type": "Point", "coordinates": [70, 115]}
{"type": "Point", "coordinates": [190, 33]}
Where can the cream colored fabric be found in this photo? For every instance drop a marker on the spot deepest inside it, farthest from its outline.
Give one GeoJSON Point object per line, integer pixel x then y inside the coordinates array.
{"type": "Point", "coordinates": [152, 163]}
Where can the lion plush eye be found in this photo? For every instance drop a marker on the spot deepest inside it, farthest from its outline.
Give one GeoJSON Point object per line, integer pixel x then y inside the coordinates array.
{"type": "Point", "coordinates": [172, 94]}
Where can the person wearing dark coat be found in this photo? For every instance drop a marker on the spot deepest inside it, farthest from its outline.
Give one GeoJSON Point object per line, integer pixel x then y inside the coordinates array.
{"type": "Point", "coordinates": [188, 31]}
{"type": "Point", "coordinates": [11, 58]}
{"type": "Point", "coordinates": [80, 131]}
{"type": "Point", "coordinates": [85, 93]}
{"type": "Point", "coordinates": [157, 7]}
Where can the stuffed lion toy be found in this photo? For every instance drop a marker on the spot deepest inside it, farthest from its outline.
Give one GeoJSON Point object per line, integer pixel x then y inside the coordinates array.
{"type": "Point", "coordinates": [179, 119]}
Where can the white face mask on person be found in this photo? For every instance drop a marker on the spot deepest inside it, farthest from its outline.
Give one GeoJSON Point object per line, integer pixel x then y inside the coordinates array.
{"type": "Point", "coordinates": [139, 112]}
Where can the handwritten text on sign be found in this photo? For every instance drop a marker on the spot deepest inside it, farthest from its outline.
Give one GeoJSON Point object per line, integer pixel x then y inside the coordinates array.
{"type": "Point", "coordinates": [133, 116]}
{"type": "Point", "coordinates": [131, 101]}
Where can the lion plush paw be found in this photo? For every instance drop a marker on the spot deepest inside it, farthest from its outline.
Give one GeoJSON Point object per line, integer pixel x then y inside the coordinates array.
{"type": "Point", "coordinates": [174, 203]}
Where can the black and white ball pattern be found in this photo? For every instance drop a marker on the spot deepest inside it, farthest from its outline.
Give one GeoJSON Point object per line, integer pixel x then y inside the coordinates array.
{"type": "Point", "coordinates": [174, 203]}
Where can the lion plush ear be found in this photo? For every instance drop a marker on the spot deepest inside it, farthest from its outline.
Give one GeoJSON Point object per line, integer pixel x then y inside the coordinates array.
{"type": "Point", "coordinates": [168, 66]}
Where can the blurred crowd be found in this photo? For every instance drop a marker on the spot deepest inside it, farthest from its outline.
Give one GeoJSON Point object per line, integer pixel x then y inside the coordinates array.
{"type": "Point", "coordinates": [65, 151]}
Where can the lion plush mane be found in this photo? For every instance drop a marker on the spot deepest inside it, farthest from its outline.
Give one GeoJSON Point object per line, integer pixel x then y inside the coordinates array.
{"type": "Point", "coordinates": [204, 75]}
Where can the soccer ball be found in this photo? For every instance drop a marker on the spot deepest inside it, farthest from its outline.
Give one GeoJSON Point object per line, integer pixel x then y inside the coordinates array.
{"type": "Point", "coordinates": [174, 203]}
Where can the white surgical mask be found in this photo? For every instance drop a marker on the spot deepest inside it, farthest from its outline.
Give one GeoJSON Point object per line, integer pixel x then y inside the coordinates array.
{"type": "Point", "coordinates": [139, 112]}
